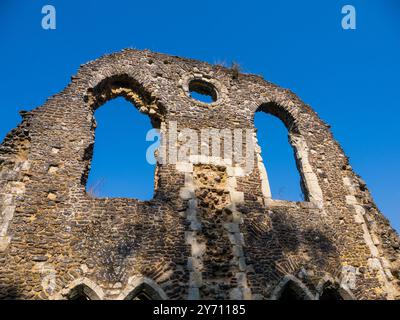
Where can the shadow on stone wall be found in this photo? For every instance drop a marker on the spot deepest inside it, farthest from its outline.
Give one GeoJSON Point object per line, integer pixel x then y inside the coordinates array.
{"type": "Point", "coordinates": [146, 243]}
{"type": "Point", "coordinates": [11, 292]}
{"type": "Point", "coordinates": [279, 244]}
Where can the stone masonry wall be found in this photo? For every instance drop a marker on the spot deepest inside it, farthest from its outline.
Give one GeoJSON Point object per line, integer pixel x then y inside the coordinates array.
{"type": "Point", "coordinates": [212, 231]}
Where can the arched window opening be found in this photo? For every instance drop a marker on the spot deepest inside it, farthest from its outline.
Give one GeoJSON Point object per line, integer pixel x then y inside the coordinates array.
{"type": "Point", "coordinates": [292, 292]}
{"type": "Point", "coordinates": [278, 157]}
{"type": "Point", "coordinates": [144, 292]}
{"type": "Point", "coordinates": [82, 293]}
{"type": "Point", "coordinates": [119, 167]}
{"type": "Point", "coordinates": [330, 292]}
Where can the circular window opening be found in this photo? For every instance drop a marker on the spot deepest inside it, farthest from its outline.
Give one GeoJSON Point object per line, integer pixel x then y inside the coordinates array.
{"type": "Point", "coordinates": [202, 91]}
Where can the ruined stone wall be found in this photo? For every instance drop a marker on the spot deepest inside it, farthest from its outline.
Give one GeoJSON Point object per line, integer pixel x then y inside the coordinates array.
{"type": "Point", "coordinates": [212, 231]}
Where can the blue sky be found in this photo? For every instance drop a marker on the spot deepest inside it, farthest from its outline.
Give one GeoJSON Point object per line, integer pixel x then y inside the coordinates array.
{"type": "Point", "coordinates": [350, 77]}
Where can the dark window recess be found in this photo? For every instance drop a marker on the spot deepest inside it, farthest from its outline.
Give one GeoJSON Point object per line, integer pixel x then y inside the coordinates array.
{"type": "Point", "coordinates": [292, 292]}
{"type": "Point", "coordinates": [330, 292]}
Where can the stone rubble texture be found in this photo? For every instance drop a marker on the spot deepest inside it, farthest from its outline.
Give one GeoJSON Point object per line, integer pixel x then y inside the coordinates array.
{"type": "Point", "coordinates": [210, 232]}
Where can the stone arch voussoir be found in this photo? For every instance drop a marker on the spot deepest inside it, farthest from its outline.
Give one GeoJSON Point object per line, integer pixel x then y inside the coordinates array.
{"type": "Point", "coordinates": [91, 289]}
{"type": "Point", "coordinates": [138, 283]}
{"type": "Point", "coordinates": [285, 281]}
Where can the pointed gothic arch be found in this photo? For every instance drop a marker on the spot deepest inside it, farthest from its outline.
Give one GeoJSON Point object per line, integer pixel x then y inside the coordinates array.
{"type": "Point", "coordinates": [142, 288]}
{"type": "Point", "coordinates": [81, 289]}
{"type": "Point", "coordinates": [290, 289]}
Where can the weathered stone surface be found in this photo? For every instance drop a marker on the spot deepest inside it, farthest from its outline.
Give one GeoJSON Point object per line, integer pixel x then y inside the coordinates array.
{"type": "Point", "coordinates": [212, 230]}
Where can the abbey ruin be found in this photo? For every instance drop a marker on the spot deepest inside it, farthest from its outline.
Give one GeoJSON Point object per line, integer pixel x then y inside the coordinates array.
{"type": "Point", "coordinates": [212, 230]}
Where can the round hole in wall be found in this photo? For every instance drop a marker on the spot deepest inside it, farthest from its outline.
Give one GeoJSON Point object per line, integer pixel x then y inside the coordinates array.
{"type": "Point", "coordinates": [202, 91]}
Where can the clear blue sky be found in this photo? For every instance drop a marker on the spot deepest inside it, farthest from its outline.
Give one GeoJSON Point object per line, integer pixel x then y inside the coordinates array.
{"type": "Point", "coordinates": [351, 78]}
